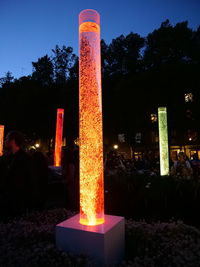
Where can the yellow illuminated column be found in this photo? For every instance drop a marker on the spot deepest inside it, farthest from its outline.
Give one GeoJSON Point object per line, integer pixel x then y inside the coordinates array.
{"type": "Point", "coordinates": [58, 140]}
{"type": "Point", "coordinates": [90, 120]}
{"type": "Point", "coordinates": [1, 139]}
{"type": "Point", "coordinates": [163, 141]}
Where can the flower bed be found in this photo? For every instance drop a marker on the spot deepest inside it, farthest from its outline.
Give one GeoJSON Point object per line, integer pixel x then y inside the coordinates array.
{"type": "Point", "coordinates": [162, 244]}
{"type": "Point", "coordinates": [29, 241]}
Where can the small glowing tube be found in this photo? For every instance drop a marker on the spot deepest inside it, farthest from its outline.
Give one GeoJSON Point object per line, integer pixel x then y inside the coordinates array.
{"type": "Point", "coordinates": [163, 141]}
{"type": "Point", "coordinates": [58, 139]}
{"type": "Point", "coordinates": [1, 139]}
{"type": "Point", "coordinates": [90, 120]}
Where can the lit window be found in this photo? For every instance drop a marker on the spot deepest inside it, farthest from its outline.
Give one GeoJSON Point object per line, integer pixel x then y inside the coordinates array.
{"type": "Point", "coordinates": [189, 97]}
{"type": "Point", "coordinates": [188, 114]}
{"type": "Point", "coordinates": [154, 118]}
{"type": "Point", "coordinates": [121, 138]}
{"type": "Point", "coordinates": [138, 155]}
{"type": "Point", "coordinates": [138, 137]}
{"type": "Point", "coordinates": [154, 137]}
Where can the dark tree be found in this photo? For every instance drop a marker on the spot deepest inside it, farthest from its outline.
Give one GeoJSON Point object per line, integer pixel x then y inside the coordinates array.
{"type": "Point", "coordinates": [64, 60]}
{"type": "Point", "coordinates": [7, 79]}
{"type": "Point", "coordinates": [169, 44]}
{"type": "Point", "coordinates": [123, 54]}
{"type": "Point", "coordinates": [139, 74]}
{"type": "Point", "coordinates": [43, 71]}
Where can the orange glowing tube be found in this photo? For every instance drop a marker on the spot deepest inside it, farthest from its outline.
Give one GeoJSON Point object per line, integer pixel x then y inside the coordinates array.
{"type": "Point", "coordinates": [59, 133]}
{"type": "Point", "coordinates": [90, 120]}
{"type": "Point", "coordinates": [1, 139]}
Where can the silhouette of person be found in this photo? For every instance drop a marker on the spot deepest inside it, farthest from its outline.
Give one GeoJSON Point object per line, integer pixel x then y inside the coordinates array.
{"type": "Point", "coordinates": [182, 167]}
{"type": "Point", "coordinates": [40, 183]}
{"type": "Point", "coordinates": [17, 176]}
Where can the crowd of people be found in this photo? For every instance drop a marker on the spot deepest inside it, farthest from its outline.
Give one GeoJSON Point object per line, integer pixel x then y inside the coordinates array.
{"type": "Point", "coordinates": [116, 163]}
{"type": "Point", "coordinates": [24, 175]}
{"type": "Point", "coordinates": [183, 168]}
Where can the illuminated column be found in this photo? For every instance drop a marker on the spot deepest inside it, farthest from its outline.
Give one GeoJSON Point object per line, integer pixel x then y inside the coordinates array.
{"type": "Point", "coordinates": [163, 141]}
{"type": "Point", "coordinates": [1, 139]}
{"type": "Point", "coordinates": [58, 140]}
{"type": "Point", "coordinates": [92, 233]}
{"type": "Point", "coordinates": [90, 120]}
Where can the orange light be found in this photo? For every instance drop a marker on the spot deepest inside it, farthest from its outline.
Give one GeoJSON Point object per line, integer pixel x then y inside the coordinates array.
{"type": "Point", "coordinates": [1, 139]}
{"type": "Point", "coordinates": [90, 120]}
{"type": "Point", "coordinates": [59, 133]}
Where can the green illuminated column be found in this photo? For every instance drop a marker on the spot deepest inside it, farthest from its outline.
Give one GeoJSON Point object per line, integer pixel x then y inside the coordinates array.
{"type": "Point", "coordinates": [163, 141]}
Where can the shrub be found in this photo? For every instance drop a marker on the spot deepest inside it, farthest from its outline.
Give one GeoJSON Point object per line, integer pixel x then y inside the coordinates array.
{"type": "Point", "coordinates": [29, 241]}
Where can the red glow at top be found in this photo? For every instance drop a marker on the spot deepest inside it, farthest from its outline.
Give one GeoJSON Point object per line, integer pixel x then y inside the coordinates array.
{"type": "Point", "coordinates": [89, 15]}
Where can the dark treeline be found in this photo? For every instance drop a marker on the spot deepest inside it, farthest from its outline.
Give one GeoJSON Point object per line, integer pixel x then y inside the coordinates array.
{"type": "Point", "coordinates": [138, 75]}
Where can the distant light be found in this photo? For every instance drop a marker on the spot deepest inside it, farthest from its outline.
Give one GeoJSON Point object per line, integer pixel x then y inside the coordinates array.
{"type": "Point", "coordinates": [115, 146]}
{"type": "Point", "coordinates": [154, 118]}
{"type": "Point", "coordinates": [190, 139]}
{"type": "Point", "coordinates": [76, 141]}
{"type": "Point", "coordinates": [37, 145]}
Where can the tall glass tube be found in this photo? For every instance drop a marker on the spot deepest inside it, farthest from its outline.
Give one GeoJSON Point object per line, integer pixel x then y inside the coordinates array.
{"type": "Point", "coordinates": [90, 120]}
{"type": "Point", "coordinates": [58, 139]}
{"type": "Point", "coordinates": [163, 141]}
{"type": "Point", "coordinates": [1, 139]}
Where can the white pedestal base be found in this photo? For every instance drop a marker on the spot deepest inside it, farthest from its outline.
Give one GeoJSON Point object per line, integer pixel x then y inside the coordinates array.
{"type": "Point", "coordinates": [104, 243]}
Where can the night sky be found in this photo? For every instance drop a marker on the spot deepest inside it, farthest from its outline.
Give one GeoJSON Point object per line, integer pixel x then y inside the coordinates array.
{"type": "Point", "coordinates": [31, 28]}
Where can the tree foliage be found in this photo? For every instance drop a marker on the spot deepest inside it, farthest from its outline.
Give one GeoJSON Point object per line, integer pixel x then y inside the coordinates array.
{"type": "Point", "coordinates": [139, 74]}
{"type": "Point", "coordinates": [43, 71]}
{"type": "Point", "coordinates": [63, 60]}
